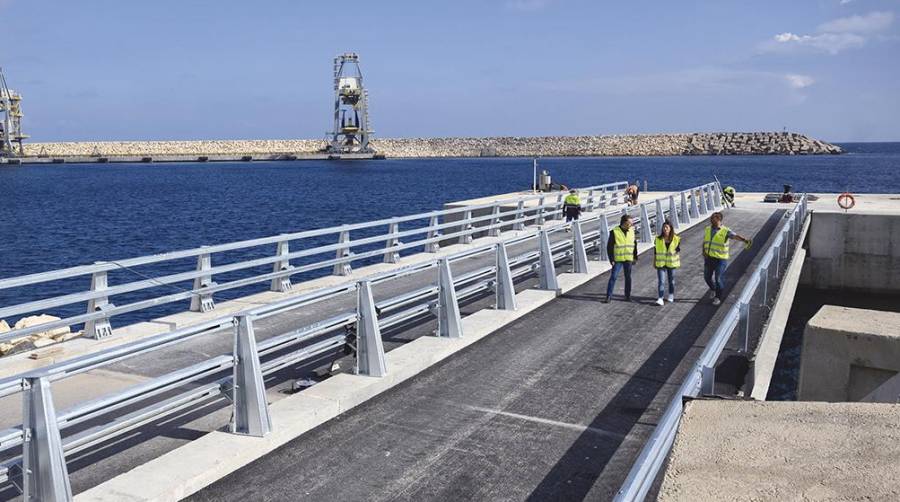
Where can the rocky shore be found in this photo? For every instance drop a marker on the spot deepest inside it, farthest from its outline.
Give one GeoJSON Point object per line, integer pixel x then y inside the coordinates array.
{"type": "Point", "coordinates": [754, 143]}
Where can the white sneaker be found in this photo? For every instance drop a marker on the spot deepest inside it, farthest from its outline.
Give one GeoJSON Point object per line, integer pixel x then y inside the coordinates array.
{"type": "Point", "coordinates": [717, 302]}
{"type": "Point", "coordinates": [659, 302]}
{"type": "Point", "coordinates": [671, 298]}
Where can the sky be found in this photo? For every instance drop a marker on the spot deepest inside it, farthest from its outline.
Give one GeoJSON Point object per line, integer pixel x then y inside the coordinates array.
{"type": "Point", "coordinates": [161, 69]}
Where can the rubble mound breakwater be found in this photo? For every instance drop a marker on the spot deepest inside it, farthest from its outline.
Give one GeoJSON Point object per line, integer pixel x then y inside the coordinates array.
{"type": "Point", "coordinates": [753, 143]}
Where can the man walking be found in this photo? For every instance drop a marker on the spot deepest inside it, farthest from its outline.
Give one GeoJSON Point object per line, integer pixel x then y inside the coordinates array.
{"type": "Point", "coordinates": [622, 252]}
{"type": "Point", "coordinates": [572, 206]}
{"type": "Point", "coordinates": [715, 254]}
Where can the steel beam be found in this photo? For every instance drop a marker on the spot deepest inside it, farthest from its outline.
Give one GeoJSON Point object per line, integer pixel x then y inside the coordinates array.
{"type": "Point", "coordinates": [250, 414]}
{"type": "Point", "coordinates": [369, 347]}
{"type": "Point", "coordinates": [45, 476]}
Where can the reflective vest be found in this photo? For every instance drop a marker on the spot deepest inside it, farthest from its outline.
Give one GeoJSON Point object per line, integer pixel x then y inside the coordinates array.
{"type": "Point", "coordinates": [728, 190]}
{"type": "Point", "coordinates": [624, 245]}
{"type": "Point", "coordinates": [716, 246]}
{"type": "Point", "coordinates": [667, 257]}
{"type": "Point", "coordinates": [572, 200]}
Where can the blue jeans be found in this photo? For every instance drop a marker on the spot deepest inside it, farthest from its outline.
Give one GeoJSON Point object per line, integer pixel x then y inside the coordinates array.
{"type": "Point", "coordinates": [715, 266]}
{"type": "Point", "coordinates": [661, 274]}
{"type": "Point", "coordinates": [619, 265]}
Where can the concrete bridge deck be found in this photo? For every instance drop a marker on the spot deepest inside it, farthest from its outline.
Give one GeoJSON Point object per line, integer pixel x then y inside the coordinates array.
{"type": "Point", "coordinates": [555, 405]}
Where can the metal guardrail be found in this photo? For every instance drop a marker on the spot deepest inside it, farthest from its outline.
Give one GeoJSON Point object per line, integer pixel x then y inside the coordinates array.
{"type": "Point", "coordinates": [504, 213]}
{"type": "Point", "coordinates": [44, 448]}
{"type": "Point", "coordinates": [701, 379]}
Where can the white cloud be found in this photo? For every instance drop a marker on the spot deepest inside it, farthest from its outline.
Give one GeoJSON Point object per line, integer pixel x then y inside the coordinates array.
{"type": "Point", "coordinates": [799, 81]}
{"type": "Point", "coordinates": [868, 23]}
{"type": "Point", "coordinates": [831, 43]}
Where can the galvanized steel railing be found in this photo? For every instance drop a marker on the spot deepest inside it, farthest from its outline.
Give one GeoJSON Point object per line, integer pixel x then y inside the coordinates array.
{"type": "Point", "coordinates": [441, 226]}
{"type": "Point", "coordinates": [762, 285]}
{"type": "Point", "coordinates": [42, 462]}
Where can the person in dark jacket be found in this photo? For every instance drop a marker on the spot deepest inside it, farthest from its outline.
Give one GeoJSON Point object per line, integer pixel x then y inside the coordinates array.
{"type": "Point", "coordinates": [621, 248]}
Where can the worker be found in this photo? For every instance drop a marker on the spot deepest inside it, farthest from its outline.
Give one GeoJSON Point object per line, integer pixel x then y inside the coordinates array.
{"type": "Point", "coordinates": [572, 206]}
{"type": "Point", "coordinates": [715, 255]}
{"type": "Point", "coordinates": [728, 195]}
{"type": "Point", "coordinates": [622, 253]}
{"type": "Point", "coordinates": [631, 194]}
{"type": "Point", "coordinates": [666, 260]}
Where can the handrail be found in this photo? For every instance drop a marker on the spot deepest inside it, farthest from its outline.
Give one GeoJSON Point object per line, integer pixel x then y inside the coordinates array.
{"type": "Point", "coordinates": [701, 377]}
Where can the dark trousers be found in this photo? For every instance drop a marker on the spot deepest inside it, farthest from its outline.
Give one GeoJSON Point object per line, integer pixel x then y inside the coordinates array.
{"type": "Point", "coordinates": [715, 267]}
{"type": "Point", "coordinates": [572, 213]}
{"type": "Point", "coordinates": [619, 265]}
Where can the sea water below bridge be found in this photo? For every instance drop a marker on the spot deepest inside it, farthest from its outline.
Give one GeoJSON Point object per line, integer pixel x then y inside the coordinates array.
{"type": "Point", "coordinates": [56, 216]}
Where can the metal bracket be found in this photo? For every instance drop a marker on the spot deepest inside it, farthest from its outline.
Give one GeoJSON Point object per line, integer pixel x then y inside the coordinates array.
{"type": "Point", "coordinates": [343, 268]}
{"type": "Point", "coordinates": [250, 415]}
{"type": "Point", "coordinates": [579, 254]}
{"type": "Point", "coordinates": [100, 328]}
{"type": "Point", "coordinates": [283, 283]}
{"type": "Point", "coordinates": [449, 320]}
{"type": "Point", "coordinates": [202, 302]}
{"type": "Point", "coordinates": [370, 349]}
{"type": "Point", "coordinates": [45, 476]}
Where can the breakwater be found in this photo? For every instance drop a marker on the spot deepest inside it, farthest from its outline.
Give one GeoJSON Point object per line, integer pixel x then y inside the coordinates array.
{"type": "Point", "coordinates": [754, 143]}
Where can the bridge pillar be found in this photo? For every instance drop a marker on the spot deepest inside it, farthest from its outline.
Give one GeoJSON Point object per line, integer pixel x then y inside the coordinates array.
{"type": "Point", "coordinates": [466, 227]}
{"type": "Point", "coordinates": [250, 410]}
{"type": "Point", "coordinates": [282, 283]}
{"type": "Point", "coordinates": [673, 213]}
{"type": "Point", "coordinates": [646, 232]}
{"type": "Point", "coordinates": [660, 217]}
{"type": "Point", "coordinates": [343, 253]}
{"type": "Point", "coordinates": [369, 347]}
{"type": "Point", "coordinates": [433, 246]}
{"type": "Point", "coordinates": [45, 476]}
{"type": "Point", "coordinates": [695, 212]}
{"type": "Point", "coordinates": [579, 254]}
{"type": "Point", "coordinates": [98, 328]}
{"type": "Point", "coordinates": [547, 269]}
{"type": "Point", "coordinates": [495, 222]}
{"type": "Point", "coordinates": [505, 291]}
{"type": "Point", "coordinates": [449, 320]}
{"type": "Point", "coordinates": [391, 255]}
{"type": "Point", "coordinates": [200, 301]}
{"type": "Point", "coordinates": [685, 214]}
{"type": "Point", "coordinates": [604, 238]}
{"type": "Point", "coordinates": [520, 216]}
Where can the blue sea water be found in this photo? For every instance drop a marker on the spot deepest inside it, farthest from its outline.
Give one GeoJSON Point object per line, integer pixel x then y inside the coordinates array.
{"type": "Point", "coordinates": [55, 216]}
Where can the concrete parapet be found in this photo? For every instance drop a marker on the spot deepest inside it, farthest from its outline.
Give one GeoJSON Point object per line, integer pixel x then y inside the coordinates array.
{"type": "Point", "coordinates": [750, 450]}
{"type": "Point", "coordinates": [848, 354]}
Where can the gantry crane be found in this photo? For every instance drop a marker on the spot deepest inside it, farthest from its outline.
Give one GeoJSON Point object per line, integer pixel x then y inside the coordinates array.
{"type": "Point", "coordinates": [351, 111]}
{"type": "Point", "coordinates": [10, 120]}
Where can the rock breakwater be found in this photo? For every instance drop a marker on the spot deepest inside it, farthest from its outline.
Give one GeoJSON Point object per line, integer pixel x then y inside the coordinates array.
{"type": "Point", "coordinates": [753, 143]}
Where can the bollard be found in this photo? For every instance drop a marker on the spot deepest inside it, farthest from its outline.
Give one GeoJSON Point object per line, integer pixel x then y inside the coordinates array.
{"type": "Point", "coordinates": [604, 238]}
{"type": "Point", "coordinates": [369, 347]}
{"type": "Point", "coordinates": [449, 320]}
{"type": "Point", "coordinates": [433, 246]}
{"type": "Point", "coordinates": [579, 254]}
{"type": "Point", "coordinates": [495, 222]}
{"type": "Point", "coordinates": [98, 328]}
{"type": "Point", "coordinates": [646, 236]}
{"type": "Point", "coordinates": [466, 238]}
{"type": "Point", "coordinates": [44, 473]}
{"type": "Point", "coordinates": [547, 269]}
{"type": "Point", "coordinates": [343, 253]}
{"type": "Point", "coordinates": [202, 302]}
{"type": "Point", "coordinates": [391, 255]}
{"type": "Point", "coordinates": [505, 291]}
{"type": "Point", "coordinates": [660, 216]}
{"type": "Point", "coordinates": [250, 415]}
{"type": "Point", "coordinates": [520, 216]}
{"type": "Point", "coordinates": [673, 213]}
{"type": "Point", "coordinates": [282, 283]}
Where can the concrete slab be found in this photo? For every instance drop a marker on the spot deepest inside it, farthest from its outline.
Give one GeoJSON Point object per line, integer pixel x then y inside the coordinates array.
{"type": "Point", "coordinates": [746, 450]}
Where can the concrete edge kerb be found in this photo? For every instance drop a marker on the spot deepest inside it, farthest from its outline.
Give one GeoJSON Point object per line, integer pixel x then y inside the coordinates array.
{"type": "Point", "coordinates": [190, 468]}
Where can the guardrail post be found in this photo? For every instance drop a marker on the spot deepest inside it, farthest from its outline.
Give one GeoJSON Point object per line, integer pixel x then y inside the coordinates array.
{"type": "Point", "coordinates": [604, 238]}
{"type": "Point", "coordinates": [673, 213]}
{"type": "Point", "coordinates": [547, 269]}
{"type": "Point", "coordinates": [614, 198]}
{"type": "Point", "coordinates": [717, 195]}
{"type": "Point", "coordinates": [495, 221]}
{"type": "Point", "coordinates": [707, 380]}
{"type": "Point", "coordinates": [579, 254]}
{"type": "Point", "coordinates": [449, 320]}
{"type": "Point", "coordinates": [45, 476]}
{"type": "Point", "coordinates": [250, 414]}
{"type": "Point", "coordinates": [369, 347]}
{"type": "Point", "coordinates": [391, 255]}
{"type": "Point", "coordinates": [710, 200]}
{"type": "Point", "coordinates": [203, 302]}
{"type": "Point", "coordinates": [744, 323]}
{"type": "Point", "coordinates": [646, 235]}
{"type": "Point", "coordinates": [433, 245]}
{"type": "Point", "coordinates": [540, 211]}
{"type": "Point", "coordinates": [660, 217]}
{"type": "Point", "coordinates": [704, 210]}
{"type": "Point", "coordinates": [590, 201]}
{"type": "Point", "coordinates": [283, 283]}
{"type": "Point", "coordinates": [603, 199]}
{"type": "Point", "coordinates": [776, 253]}
{"type": "Point", "coordinates": [520, 216]}
{"type": "Point", "coordinates": [557, 208]}
{"type": "Point", "coordinates": [505, 291]}
{"type": "Point", "coordinates": [764, 283]}
{"type": "Point", "coordinates": [98, 328]}
{"type": "Point", "coordinates": [685, 214]}
{"type": "Point", "coordinates": [466, 238]}
{"type": "Point", "coordinates": [695, 212]}
{"type": "Point", "coordinates": [343, 268]}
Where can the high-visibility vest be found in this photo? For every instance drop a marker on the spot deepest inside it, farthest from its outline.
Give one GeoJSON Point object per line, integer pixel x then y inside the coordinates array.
{"type": "Point", "coordinates": [716, 246]}
{"type": "Point", "coordinates": [623, 249]}
{"type": "Point", "coordinates": [572, 200]}
{"type": "Point", "coordinates": [728, 190]}
{"type": "Point", "coordinates": [667, 257]}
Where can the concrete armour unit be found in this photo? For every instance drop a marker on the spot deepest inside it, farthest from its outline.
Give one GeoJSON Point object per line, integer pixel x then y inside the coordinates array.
{"type": "Point", "coordinates": [850, 355]}
{"type": "Point", "coordinates": [775, 450]}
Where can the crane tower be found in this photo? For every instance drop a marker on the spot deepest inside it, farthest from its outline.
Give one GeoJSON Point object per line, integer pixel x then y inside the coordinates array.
{"type": "Point", "coordinates": [351, 111]}
{"type": "Point", "coordinates": [10, 120]}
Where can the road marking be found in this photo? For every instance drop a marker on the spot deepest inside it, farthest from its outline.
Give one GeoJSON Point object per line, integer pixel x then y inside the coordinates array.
{"type": "Point", "coordinates": [547, 421]}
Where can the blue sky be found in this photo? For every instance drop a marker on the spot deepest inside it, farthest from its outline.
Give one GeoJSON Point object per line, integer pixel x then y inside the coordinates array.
{"type": "Point", "coordinates": [186, 69]}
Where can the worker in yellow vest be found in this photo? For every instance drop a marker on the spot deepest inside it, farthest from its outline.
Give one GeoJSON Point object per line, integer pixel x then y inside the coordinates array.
{"type": "Point", "coordinates": [666, 260]}
{"type": "Point", "coordinates": [622, 251]}
{"type": "Point", "coordinates": [572, 206]}
{"type": "Point", "coordinates": [715, 255]}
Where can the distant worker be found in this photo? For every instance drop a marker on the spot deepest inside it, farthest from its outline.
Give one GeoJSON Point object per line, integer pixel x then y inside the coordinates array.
{"type": "Point", "coordinates": [728, 195]}
{"type": "Point", "coordinates": [622, 252]}
{"type": "Point", "coordinates": [667, 259]}
{"type": "Point", "coordinates": [631, 194]}
{"type": "Point", "coordinates": [715, 255]}
{"type": "Point", "coordinates": [572, 206]}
